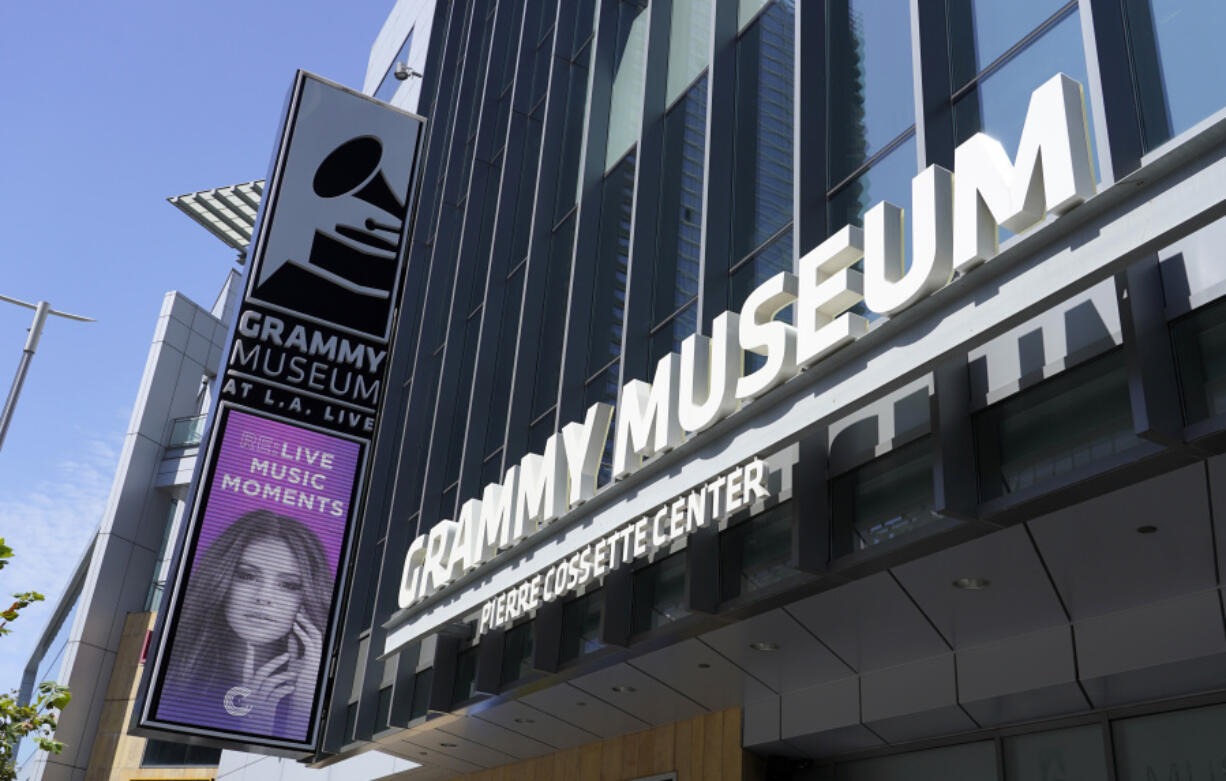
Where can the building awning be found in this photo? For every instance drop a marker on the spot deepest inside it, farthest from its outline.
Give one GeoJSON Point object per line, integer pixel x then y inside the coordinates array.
{"type": "Point", "coordinates": [226, 212]}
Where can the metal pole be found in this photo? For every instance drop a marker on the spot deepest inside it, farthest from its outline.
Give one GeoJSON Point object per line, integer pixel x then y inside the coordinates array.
{"type": "Point", "coordinates": [27, 355]}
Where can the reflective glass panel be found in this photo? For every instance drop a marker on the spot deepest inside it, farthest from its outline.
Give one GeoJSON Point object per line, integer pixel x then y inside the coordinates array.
{"type": "Point", "coordinates": [689, 44]}
{"type": "Point", "coordinates": [668, 339]}
{"type": "Point", "coordinates": [517, 653]}
{"type": "Point", "coordinates": [581, 625]}
{"type": "Point", "coordinates": [746, 9]}
{"type": "Point", "coordinates": [1061, 425]}
{"type": "Point", "coordinates": [1186, 745]}
{"type": "Point", "coordinates": [762, 153]}
{"type": "Point", "coordinates": [1178, 59]}
{"type": "Point", "coordinates": [659, 593]}
{"type": "Point", "coordinates": [755, 554]}
{"type": "Point", "coordinates": [869, 82]}
{"type": "Point", "coordinates": [997, 106]}
{"type": "Point", "coordinates": [774, 258]}
{"type": "Point", "coordinates": [888, 180]}
{"type": "Point", "coordinates": [613, 253]}
{"type": "Point", "coordinates": [679, 226]}
{"type": "Point", "coordinates": [994, 26]}
{"type": "Point", "coordinates": [626, 100]}
{"type": "Point", "coordinates": [887, 498]}
{"type": "Point", "coordinates": [1078, 753]}
{"type": "Point", "coordinates": [968, 762]}
{"type": "Point", "coordinates": [1200, 349]}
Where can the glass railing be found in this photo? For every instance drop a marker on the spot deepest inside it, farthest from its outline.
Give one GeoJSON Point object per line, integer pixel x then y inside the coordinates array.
{"type": "Point", "coordinates": [187, 432]}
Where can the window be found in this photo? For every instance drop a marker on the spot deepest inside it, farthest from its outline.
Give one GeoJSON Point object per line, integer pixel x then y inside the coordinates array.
{"type": "Point", "coordinates": [553, 318]}
{"type": "Point", "coordinates": [869, 82]}
{"type": "Point", "coordinates": [465, 684]}
{"type": "Point", "coordinates": [163, 753]}
{"type": "Point", "coordinates": [762, 153]}
{"type": "Point", "coordinates": [689, 44]}
{"type": "Point", "coordinates": [1200, 351]}
{"type": "Point", "coordinates": [1064, 424]}
{"type": "Point", "coordinates": [612, 254]}
{"type": "Point", "coordinates": [1184, 744]}
{"type": "Point", "coordinates": [994, 94]}
{"type": "Point", "coordinates": [887, 498]}
{"type": "Point", "coordinates": [968, 762]}
{"type": "Point", "coordinates": [659, 593]}
{"type": "Point", "coordinates": [581, 625]}
{"type": "Point", "coordinates": [756, 553]}
{"type": "Point", "coordinates": [679, 225]}
{"type": "Point", "coordinates": [872, 153]}
{"type": "Point", "coordinates": [1175, 45]}
{"type": "Point", "coordinates": [1066, 753]}
{"type": "Point", "coordinates": [517, 653]}
{"type": "Point", "coordinates": [626, 98]}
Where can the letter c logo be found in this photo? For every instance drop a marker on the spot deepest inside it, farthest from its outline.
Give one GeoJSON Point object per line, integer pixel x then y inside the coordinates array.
{"type": "Point", "coordinates": [232, 701]}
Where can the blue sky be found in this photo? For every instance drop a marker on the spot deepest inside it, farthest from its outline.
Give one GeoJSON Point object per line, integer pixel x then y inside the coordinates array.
{"type": "Point", "coordinates": [108, 109]}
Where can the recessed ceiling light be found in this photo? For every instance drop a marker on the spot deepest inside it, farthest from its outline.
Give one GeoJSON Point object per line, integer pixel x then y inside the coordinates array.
{"type": "Point", "coordinates": [1146, 529]}
{"type": "Point", "coordinates": [764, 645]}
{"type": "Point", "coordinates": [623, 689]}
{"type": "Point", "coordinates": [522, 720]}
{"type": "Point", "coordinates": [972, 584]}
{"type": "Point", "coordinates": [448, 745]}
{"type": "Point", "coordinates": [703, 666]}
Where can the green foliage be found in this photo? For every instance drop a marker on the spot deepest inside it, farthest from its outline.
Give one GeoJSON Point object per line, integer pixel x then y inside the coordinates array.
{"type": "Point", "coordinates": [37, 719]}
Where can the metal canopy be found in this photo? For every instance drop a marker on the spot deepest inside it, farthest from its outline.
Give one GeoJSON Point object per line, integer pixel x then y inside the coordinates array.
{"type": "Point", "coordinates": [226, 212]}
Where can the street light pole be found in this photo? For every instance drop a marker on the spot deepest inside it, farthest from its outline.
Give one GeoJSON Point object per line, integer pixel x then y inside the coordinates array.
{"type": "Point", "coordinates": [41, 310]}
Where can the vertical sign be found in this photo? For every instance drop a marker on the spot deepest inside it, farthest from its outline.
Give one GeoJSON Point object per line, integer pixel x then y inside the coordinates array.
{"type": "Point", "coordinates": [249, 624]}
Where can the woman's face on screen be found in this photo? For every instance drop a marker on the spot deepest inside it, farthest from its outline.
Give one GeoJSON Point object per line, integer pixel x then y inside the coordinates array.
{"type": "Point", "coordinates": [266, 592]}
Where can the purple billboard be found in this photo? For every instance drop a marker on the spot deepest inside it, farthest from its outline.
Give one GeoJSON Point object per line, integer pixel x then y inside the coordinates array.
{"type": "Point", "coordinates": [245, 655]}
{"type": "Point", "coordinates": [241, 649]}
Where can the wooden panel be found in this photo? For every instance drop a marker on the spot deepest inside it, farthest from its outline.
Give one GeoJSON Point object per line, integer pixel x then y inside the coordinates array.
{"type": "Point", "coordinates": [712, 748]}
{"type": "Point", "coordinates": [705, 748]}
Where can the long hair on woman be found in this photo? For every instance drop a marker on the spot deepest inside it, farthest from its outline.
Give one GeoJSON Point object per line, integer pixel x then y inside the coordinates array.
{"type": "Point", "coordinates": [206, 647]}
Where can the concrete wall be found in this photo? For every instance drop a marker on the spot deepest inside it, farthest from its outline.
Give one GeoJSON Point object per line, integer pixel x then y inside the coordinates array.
{"type": "Point", "coordinates": [187, 347]}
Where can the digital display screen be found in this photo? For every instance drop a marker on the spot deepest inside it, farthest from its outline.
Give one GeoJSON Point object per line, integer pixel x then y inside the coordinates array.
{"type": "Point", "coordinates": [245, 654]}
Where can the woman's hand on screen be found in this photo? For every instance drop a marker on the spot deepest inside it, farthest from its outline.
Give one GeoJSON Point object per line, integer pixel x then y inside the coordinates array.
{"type": "Point", "coordinates": [268, 688]}
{"type": "Point", "coordinates": [305, 663]}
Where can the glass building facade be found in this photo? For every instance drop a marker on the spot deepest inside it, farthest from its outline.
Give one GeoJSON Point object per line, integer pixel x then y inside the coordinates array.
{"type": "Point", "coordinates": [603, 178]}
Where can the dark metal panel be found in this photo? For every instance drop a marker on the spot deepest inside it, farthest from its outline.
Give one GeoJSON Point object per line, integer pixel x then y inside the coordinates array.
{"type": "Point", "coordinates": [934, 116]}
{"type": "Point", "coordinates": [442, 685]}
{"type": "Point", "coordinates": [587, 230]}
{"type": "Point", "coordinates": [811, 505]}
{"type": "Point", "coordinates": [1152, 376]}
{"type": "Point", "coordinates": [1117, 120]}
{"type": "Point", "coordinates": [954, 481]}
{"type": "Point", "coordinates": [547, 637]}
{"type": "Point", "coordinates": [617, 611]}
{"type": "Point", "coordinates": [809, 130]}
{"type": "Point", "coordinates": [439, 154]}
{"type": "Point", "coordinates": [536, 270]}
{"type": "Point", "coordinates": [640, 272]}
{"type": "Point", "coordinates": [717, 177]}
{"type": "Point", "coordinates": [402, 688]}
{"type": "Point", "coordinates": [452, 390]}
{"type": "Point", "coordinates": [702, 575]}
{"type": "Point", "coordinates": [489, 661]}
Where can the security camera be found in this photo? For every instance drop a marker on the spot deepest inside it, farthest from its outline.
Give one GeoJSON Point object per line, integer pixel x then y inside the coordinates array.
{"type": "Point", "coordinates": [403, 72]}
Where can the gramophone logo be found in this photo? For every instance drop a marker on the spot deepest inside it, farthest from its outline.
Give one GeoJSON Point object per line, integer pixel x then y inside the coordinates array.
{"type": "Point", "coordinates": [340, 264]}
